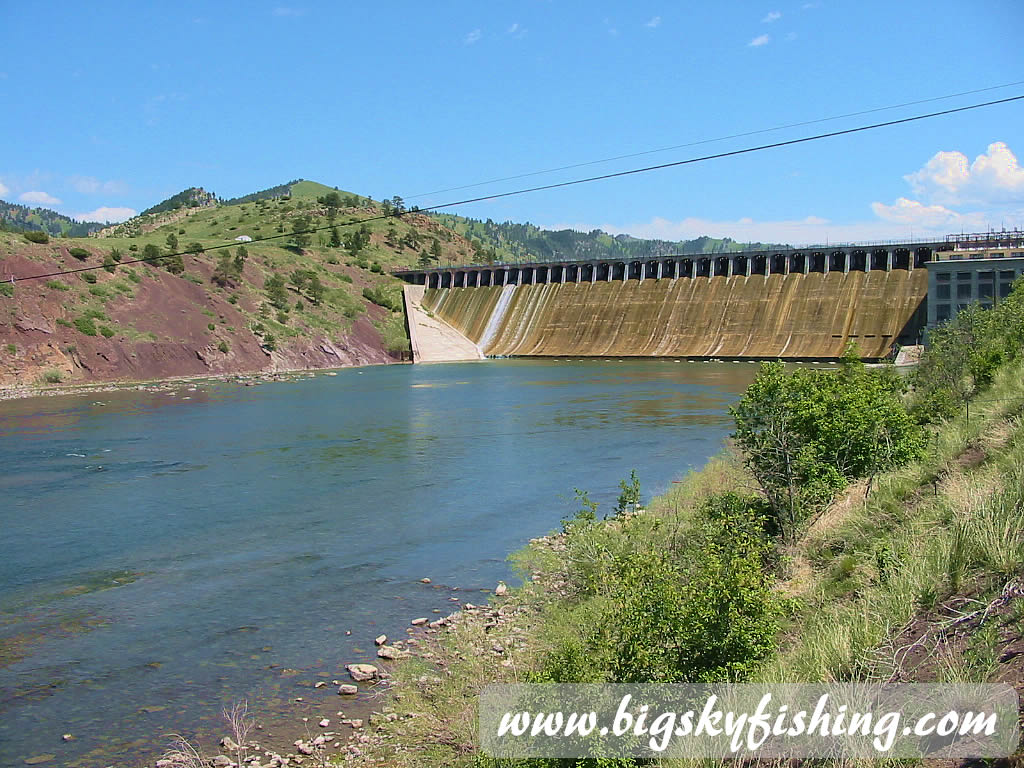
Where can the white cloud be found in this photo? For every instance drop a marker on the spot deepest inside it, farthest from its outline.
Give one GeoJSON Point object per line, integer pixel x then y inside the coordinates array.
{"type": "Point", "coordinates": [39, 198]}
{"type": "Point", "coordinates": [758, 41]}
{"type": "Point", "coordinates": [3, 189]}
{"type": "Point", "coordinates": [994, 177]}
{"type": "Point", "coordinates": [905, 211]}
{"type": "Point", "coordinates": [902, 220]}
{"type": "Point", "coordinates": [773, 16]}
{"type": "Point", "coordinates": [654, 22]}
{"type": "Point", "coordinates": [89, 185]}
{"type": "Point", "coordinates": [514, 28]}
{"type": "Point", "coordinates": [473, 37]}
{"type": "Point", "coordinates": [105, 213]}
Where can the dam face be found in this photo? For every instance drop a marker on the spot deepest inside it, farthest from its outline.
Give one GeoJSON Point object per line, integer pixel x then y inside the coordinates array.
{"type": "Point", "coordinates": [792, 316]}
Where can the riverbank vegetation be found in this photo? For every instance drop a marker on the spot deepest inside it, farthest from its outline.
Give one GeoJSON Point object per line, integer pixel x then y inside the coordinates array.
{"type": "Point", "coordinates": [860, 526]}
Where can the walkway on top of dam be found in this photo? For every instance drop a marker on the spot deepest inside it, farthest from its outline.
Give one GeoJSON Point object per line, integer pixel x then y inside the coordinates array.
{"type": "Point", "coordinates": [785, 261]}
{"type": "Point", "coordinates": [850, 257]}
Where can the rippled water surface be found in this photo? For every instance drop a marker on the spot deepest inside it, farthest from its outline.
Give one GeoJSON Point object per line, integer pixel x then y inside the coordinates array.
{"type": "Point", "coordinates": [164, 553]}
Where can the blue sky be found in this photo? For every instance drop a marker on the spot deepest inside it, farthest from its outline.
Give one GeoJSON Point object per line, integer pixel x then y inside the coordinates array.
{"type": "Point", "coordinates": [112, 107]}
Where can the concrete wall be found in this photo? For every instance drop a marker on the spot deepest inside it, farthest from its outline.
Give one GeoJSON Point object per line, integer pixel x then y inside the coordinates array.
{"type": "Point", "coordinates": [795, 316]}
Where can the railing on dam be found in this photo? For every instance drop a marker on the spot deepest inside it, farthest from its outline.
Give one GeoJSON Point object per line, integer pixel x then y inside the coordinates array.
{"type": "Point", "coordinates": [861, 258]}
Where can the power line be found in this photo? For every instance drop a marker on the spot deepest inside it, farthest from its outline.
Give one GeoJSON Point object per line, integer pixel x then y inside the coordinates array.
{"type": "Point", "coordinates": [711, 141]}
{"type": "Point", "coordinates": [557, 185]}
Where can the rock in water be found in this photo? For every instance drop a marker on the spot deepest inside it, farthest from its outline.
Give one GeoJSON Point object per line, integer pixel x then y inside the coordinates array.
{"type": "Point", "coordinates": [419, 622]}
{"type": "Point", "coordinates": [380, 639]}
{"type": "Point", "coordinates": [348, 690]}
{"type": "Point", "coordinates": [362, 672]}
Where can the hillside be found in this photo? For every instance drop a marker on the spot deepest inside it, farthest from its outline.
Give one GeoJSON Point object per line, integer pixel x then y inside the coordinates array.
{"type": "Point", "coordinates": [225, 306]}
{"type": "Point", "coordinates": [22, 217]}
{"type": "Point", "coordinates": [522, 242]}
{"type": "Point", "coordinates": [243, 293]}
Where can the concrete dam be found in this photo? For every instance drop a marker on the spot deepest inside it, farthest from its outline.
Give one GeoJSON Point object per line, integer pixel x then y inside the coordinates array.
{"type": "Point", "coordinates": [795, 316]}
{"type": "Point", "coordinates": [794, 306]}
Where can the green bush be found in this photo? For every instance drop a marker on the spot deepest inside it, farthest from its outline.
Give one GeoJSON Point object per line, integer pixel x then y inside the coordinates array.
{"type": "Point", "coordinates": [964, 354]}
{"type": "Point", "coordinates": [7, 289]}
{"type": "Point", "coordinates": [384, 296]}
{"type": "Point", "coordinates": [210, 326]}
{"type": "Point", "coordinates": [79, 253]}
{"type": "Point", "coordinates": [57, 285]}
{"type": "Point", "coordinates": [106, 331]}
{"type": "Point", "coordinates": [37, 237]}
{"type": "Point", "coordinates": [701, 609]}
{"type": "Point", "coordinates": [53, 376]}
{"type": "Point", "coordinates": [223, 347]}
{"type": "Point", "coordinates": [12, 349]}
{"type": "Point", "coordinates": [86, 325]}
{"type": "Point", "coordinates": [109, 264]}
{"type": "Point", "coordinates": [89, 277]}
{"type": "Point", "coordinates": [804, 435]}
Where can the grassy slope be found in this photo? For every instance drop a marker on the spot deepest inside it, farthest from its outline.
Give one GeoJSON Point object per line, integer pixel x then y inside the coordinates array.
{"type": "Point", "coordinates": [344, 274]}
{"type": "Point", "coordinates": [873, 590]}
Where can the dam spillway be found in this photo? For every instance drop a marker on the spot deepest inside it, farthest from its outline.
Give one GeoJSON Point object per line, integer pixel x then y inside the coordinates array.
{"type": "Point", "coordinates": [795, 316]}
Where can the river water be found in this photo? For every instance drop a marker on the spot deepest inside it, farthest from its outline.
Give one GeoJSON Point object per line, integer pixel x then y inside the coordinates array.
{"type": "Point", "coordinates": [163, 553]}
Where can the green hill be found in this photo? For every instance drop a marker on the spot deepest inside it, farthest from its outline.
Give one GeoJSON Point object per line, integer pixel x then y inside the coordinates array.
{"type": "Point", "coordinates": [510, 241]}
{"type": "Point", "coordinates": [17, 218]}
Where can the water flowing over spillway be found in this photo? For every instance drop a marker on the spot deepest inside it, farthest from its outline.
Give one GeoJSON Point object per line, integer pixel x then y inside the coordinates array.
{"type": "Point", "coordinates": [795, 316]}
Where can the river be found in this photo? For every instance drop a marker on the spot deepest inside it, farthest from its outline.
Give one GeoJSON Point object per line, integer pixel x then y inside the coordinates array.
{"type": "Point", "coordinates": [163, 553]}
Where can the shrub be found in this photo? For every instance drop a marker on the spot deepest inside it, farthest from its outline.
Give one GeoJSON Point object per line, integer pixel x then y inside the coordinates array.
{"type": "Point", "coordinates": [232, 299]}
{"type": "Point", "coordinates": [223, 347]}
{"type": "Point", "coordinates": [345, 278]}
{"type": "Point", "coordinates": [106, 331]}
{"type": "Point", "coordinates": [86, 325]}
{"type": "Point", "coordinates": [37, 237]}
{"type": "Point", "coordinates": [53, 376]}
{"type": "Point", "coordinates": [89, 277]}
{"type": "Point", "coordinates": [57, 285]}
{"type": "Point", "coordinates": [109, 263]}
{"type": "Point", "coordinates": [7, 289]}
{"type": "Point", "coordinates": [12, 349]}
{"type": "Point", "coordinates": [805, 434]}
{"type": "Point", "coordinates": [79, 253]}
{"type": "Point", "coordinates": [381, 296]}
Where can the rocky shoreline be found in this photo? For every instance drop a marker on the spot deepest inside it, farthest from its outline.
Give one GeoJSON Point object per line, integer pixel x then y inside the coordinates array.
{"type": "Point", "coordinates": [422, 660]}
{"type": "Point", "coordinates": [173, 384]}
{"type": "Point", "coordinates": [368, 690]}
